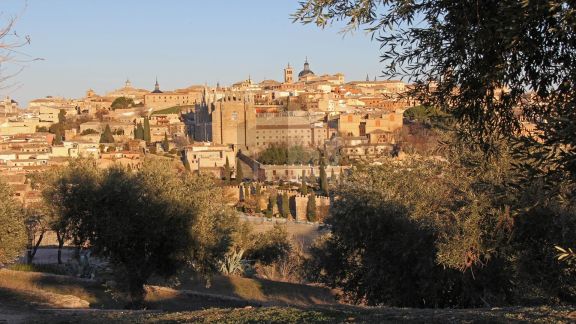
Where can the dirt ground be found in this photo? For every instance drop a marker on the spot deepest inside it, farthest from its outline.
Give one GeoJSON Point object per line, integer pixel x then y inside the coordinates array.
{"type": "Point", "coordinates": [303, 233]}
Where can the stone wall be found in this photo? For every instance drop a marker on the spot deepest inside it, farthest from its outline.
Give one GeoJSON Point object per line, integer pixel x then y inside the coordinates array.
{"type": "Point", "coordinates": [297, 202]}
{"type": "Point", "coordinates": [301, 202]}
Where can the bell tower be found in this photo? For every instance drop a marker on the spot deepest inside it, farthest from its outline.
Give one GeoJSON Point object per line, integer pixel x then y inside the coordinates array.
{"type": "Point", "coordinates": [288, 74]}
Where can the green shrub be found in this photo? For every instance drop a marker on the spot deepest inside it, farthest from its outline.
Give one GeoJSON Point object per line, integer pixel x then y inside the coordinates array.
{"type": "Point", "coordinates": [46, 268]}
{"type": "Point", "coordinates": [269, 246]}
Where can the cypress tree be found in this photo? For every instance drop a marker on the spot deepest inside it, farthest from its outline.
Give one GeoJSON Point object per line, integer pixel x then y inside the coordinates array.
{"type": "Point", "coordinates": [139, 133]}
{"type": "Point", "coordinates": [246, 191]}
{"type": "Point", "coordinates": [61, 116]}
{"type": "Point", "coordinates": [227, 172]}
{"type": "Point", "coordinates": [304, 186]}
{"type": "Point", "coordinates": [285, 206]}
{"type": "Point", "coordinates": [239, 174]}
{"type": "Point", "coordinates": [257, 188]}
{"type": "Point", "coordinates": [323, 177]}
{"type": "Point", "coordinates": [311, 207]}
{"type": "Point", "coordinates": [57, 136]}
{"type": "Point", "coordinates": [106, 136]}
{"type": "Point", "coordinates": [165, 143]}
{"type": "Point", "coordinates": [270, 209]}
{"type": "Point", "coordinates": [332, 176]}
{"type": "Point", "coordinates": [146, 136]}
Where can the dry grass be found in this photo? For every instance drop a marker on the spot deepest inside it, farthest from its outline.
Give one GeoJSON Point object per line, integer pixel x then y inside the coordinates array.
{"type": "Point", "coordinates": [23, 293]}
{"type": "Point", "coordinates": [54, 290]}
{"type": "Point", "coordinates": [263, 291]}
{"type": "Point", "coordinates": [335, 315]}
{"type": "Point", "coordinates": [30, 289]}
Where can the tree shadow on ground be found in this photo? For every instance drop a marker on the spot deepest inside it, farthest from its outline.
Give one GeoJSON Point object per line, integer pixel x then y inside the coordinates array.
{"type": "Point", "coordinates": [265, 292]}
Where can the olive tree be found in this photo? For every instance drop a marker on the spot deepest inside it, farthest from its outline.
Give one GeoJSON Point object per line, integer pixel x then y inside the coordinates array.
{"type": "Point", "coordinates": [12, 228]}
{"type": "Point", "coordinates": [415, 234]}
{"type": "Point", "coordinates": [491, 64]}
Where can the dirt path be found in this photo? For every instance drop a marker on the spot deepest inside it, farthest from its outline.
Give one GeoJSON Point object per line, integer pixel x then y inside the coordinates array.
{"type": "Point", "coordinates": [12, 316]}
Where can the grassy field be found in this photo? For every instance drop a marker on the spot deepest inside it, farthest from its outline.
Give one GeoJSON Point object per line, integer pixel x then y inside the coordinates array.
{"type": "Point", "coordinates": [31, 297]}
{"type": "Point", "coordinates": [171, 110]}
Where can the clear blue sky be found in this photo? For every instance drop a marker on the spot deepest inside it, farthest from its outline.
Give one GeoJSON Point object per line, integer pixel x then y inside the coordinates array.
{"type": "Point", "coordinates": [99, 43]}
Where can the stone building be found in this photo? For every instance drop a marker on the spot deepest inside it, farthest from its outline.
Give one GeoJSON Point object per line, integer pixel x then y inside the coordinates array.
{"type": "Point", "coordinates": [353, 124]}
{"type": "Point", "coordinates": [8, 106]}
{"type": "Point", "coordinates": [230, 120]}
{"type": "Point", "coordinates": [208, 156]}
{"type": "Point", "coordinates": [388, 104]}
{"type": "Point", "coordinates": [288, 74]}
{"type": "Point", "coordinates": [158, 99]}
{"type": "Point", "coordinates": [288, 128]}
{"type": "Point", "coordinates": [128, 91]}
{"type": "Point", "coordinates": [388, 87]}
{"type": "Point", "coordinates": [294, 173]}
{"type": "Point", "coordinates": [308, 76]}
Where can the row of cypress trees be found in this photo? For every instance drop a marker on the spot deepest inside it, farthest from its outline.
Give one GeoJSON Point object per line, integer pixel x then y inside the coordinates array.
{"type": "Point", "coordinates": [142, 131]}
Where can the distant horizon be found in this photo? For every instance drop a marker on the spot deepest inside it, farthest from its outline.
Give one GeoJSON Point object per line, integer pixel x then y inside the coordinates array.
{"type": "Point", "coordinates": [98, 45]}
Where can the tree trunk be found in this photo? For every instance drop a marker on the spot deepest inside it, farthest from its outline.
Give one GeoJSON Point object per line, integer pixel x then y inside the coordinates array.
{"type": "Point", "coordinates": [60, 245]}
{"type": "Point", "coordinates": [137, 293]}
{"type": "Point", "coordinates": [33, 249]}
{"type": "Point", "coordinates": [77, 252]}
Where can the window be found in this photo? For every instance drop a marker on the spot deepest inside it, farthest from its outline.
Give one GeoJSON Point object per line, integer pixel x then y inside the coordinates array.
{"type": "Point", "coordinates": [234, 115]}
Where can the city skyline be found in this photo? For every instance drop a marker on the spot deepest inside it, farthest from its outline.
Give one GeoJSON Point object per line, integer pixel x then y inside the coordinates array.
{"type": "Point", "coordinates": [97, 46]}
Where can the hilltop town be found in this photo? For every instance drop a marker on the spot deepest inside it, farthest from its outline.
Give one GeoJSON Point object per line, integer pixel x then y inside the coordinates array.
{"type": "Point", "coordinates": [319, 121]}
{"type": "Point", "coordinates": [440, 190]}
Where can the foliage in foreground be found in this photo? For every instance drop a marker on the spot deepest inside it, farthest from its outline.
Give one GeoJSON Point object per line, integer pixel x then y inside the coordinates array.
{"type": "Point", "coordinates": [12, 229]}
{"type": "Point", "coordinates": [490, 64]}
{"type": "Point", "coordinates": [150, 222]}
{"type": "Point", "coordinates": [426, 233]}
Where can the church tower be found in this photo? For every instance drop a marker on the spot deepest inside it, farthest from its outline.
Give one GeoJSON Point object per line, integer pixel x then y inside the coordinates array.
{"type": "Point", "coordinates": [288, 74]}
{"type": "Point", "coordinates": [157, 87]}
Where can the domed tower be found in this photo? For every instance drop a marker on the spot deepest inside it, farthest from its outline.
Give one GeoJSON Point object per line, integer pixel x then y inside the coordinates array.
{"type": "Point", "coordinates": [306, 73]}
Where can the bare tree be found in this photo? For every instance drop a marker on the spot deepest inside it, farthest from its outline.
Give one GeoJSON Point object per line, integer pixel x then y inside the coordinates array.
{"type": "Point", "coordinates": [12, 59]}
